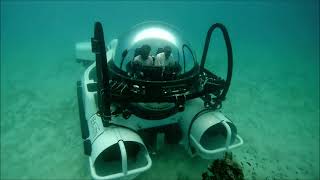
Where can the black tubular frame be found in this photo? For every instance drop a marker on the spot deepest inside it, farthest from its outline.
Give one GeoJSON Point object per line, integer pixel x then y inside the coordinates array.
{"type": "Point", "coordinates": [103, 87]}
{"type": "Point", "coordinates": [83, 122]}
{"type": "Point", "coordinates": [105, 71]}
{"type": "Point", "coordinates": [229, 52]}
{"type": "Point", "coordinates": [82, 117]}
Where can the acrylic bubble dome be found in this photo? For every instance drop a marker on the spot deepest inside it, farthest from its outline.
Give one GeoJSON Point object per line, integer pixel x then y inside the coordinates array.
{"type": "Point", "coordinates": [157, 36]}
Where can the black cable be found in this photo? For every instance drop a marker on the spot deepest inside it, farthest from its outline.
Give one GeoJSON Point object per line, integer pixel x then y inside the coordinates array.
{"type": "Point", "coordinates": [115, 124]}
{"type": "Point", "coordinates": [217, 103]}
{"type": "Point", "coordinates": [229, 52]}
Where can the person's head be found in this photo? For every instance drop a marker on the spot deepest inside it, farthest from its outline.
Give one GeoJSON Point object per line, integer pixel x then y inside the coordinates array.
{"type": "Point", "coordinates": [167, 51]}
{"type": "Point", "coordinates": [145, 51]}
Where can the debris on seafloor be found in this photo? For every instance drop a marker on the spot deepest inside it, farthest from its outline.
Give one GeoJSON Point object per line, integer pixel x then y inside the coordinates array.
{"type": "Point", "coordinates": [224, 169]}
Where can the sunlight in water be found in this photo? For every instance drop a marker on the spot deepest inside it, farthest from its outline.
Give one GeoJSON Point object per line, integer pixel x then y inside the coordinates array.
{"type": "Point", "coordinates": [155, 33]}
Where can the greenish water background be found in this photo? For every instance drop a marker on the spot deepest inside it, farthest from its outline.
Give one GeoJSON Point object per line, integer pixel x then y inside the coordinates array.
{"type": "Point", "coordinates": [273, 99]}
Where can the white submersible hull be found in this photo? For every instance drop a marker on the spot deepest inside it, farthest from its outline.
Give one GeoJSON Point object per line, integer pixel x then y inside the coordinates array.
{"type": "Point", "coordinates": [145, 83]}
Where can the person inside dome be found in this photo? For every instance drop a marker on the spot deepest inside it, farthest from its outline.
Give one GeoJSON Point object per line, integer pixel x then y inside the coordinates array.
{"type": "Point", "coordinates": [164, 58]}
{"type": "Point", "coordinates": [143, 58]}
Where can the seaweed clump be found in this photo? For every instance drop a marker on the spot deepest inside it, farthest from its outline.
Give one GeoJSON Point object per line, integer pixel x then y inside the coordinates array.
{"type": "Point", "coordinates": [224, 169]}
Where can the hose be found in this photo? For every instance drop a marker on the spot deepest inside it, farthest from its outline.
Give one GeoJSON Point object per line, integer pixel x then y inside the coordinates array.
{"type": "Point", "coordinates": [221, 97]}
{"type": "Point", "coordinates": [229, 53]}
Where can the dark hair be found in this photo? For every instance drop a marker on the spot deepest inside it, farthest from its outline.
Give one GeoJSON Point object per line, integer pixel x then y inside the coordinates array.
{"type": "Point", "coordinates": [167, 51]}
{"type": "Point", "coordinates": [144, 51]}
{"type": "Point", "coordinates": [145, 48]}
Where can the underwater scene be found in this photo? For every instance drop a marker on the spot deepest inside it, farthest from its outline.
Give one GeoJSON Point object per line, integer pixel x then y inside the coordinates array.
{"type": "Point", "coordinates": [261, 124]}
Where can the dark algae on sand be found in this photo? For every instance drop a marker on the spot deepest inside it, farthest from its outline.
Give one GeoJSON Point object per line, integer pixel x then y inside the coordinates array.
{"type": "Point", "coordinates": [224, 169]}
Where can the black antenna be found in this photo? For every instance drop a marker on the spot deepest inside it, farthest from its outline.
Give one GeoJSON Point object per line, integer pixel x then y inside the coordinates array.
{"type": "Point", "coordinates": [103, 87]}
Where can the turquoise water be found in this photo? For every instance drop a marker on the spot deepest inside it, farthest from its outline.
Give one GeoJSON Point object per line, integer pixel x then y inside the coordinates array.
{"type": "Point", "coordinates": [273, 99]}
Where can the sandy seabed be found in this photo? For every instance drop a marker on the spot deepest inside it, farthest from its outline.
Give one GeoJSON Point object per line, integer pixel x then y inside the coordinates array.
{"type": "Point", "coordinates": [277, 116]}
{"type": "Point", "coordinates": [273, 101]}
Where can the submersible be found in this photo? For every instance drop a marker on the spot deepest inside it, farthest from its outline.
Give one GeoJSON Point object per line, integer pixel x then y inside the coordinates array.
{"type": "Point", "coordinates": [144, 84]}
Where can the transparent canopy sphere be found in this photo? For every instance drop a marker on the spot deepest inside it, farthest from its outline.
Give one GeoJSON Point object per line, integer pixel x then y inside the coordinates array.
{"type": "Point", "coordinates": [156, 48]}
